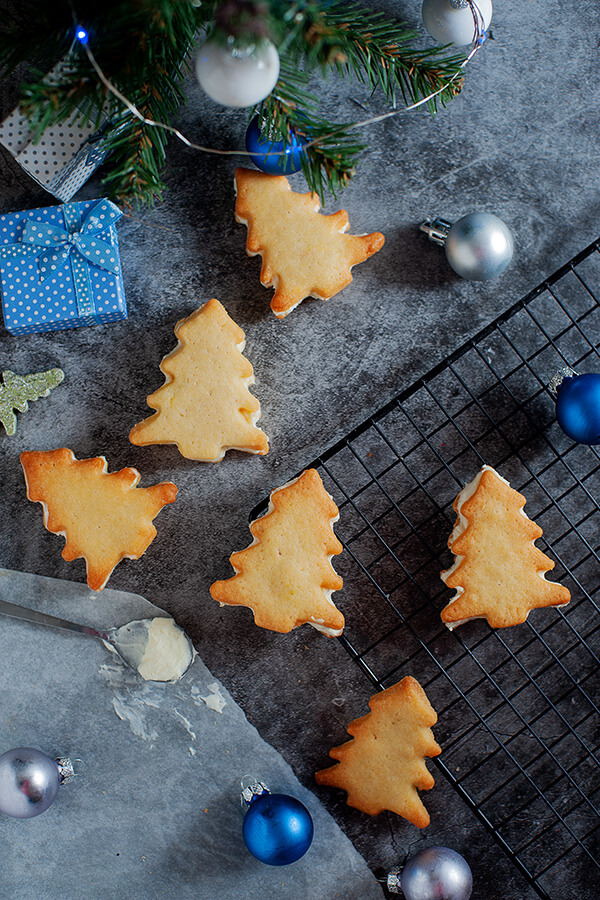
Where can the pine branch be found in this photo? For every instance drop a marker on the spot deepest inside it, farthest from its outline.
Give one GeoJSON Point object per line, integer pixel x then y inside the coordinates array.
{"type": "Point", "coordinates": [378, 51]}
{"type": "Point", "coordinates": [160, 33]}
{"type": "Point", "coordinates": [142, 48]}
{"type": "Point", "coordinates": [329, 159]}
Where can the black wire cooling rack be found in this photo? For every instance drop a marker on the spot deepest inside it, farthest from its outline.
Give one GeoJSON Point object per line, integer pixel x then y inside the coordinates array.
{"type": "Point", "coordinates": [528, 695]}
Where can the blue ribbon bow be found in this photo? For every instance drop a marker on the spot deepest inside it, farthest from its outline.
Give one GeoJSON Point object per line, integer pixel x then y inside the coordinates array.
{"type": "Point", "coordinates": [78, 240]}
{"type": "Point", "coordinates": [82, 238]}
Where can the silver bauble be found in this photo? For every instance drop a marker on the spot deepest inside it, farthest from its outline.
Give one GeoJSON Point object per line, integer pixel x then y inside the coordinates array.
{"type": "Point", "coordinates": [479, 246]}
{"type": "Point", "coordinates": [456, 21]}
{"type": "Point", "coordinates": [437, 873]}
{"type": "Point", "coordinates": [29, 781]}
{"type": "Point", "coordinates": [237, 76]}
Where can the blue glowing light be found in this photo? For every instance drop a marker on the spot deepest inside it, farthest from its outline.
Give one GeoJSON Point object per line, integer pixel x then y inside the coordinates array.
{"type": "Point", "coordinates": [81, 35]}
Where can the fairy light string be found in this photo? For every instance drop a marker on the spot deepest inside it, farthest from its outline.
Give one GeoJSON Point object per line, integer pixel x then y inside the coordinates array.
{"type": "Point", "coordinates": [82, 37]}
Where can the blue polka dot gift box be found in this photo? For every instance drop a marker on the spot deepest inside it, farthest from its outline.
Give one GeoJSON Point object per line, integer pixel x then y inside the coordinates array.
{"type": "Point", "coordinates": [60, 267]}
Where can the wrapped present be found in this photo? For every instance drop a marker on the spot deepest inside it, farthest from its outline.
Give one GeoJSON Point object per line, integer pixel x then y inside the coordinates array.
{"type": "Point", "coordinates": [60, 267]}
{"type": "Point", "coordinates": [62, 160]}
{"type": "Point", "coordinates": [65, 155]}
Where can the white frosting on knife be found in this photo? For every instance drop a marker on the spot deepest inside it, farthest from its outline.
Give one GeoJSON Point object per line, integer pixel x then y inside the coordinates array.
{"type": "Point", "coordinates": [167, 654]}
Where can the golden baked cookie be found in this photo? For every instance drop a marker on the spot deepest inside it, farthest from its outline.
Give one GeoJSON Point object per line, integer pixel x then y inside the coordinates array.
{"type": "Point", "coordinates": [102, 515]}
{"type": "Point", "coordinates": [285, 576]}
{"type": "Point", "coordinates": [204, 406]}
{"type": "Point", "coordinates": [383, 767]}
{"type": "Point", "coordinates": [304, 254]}
{"type": "Point", "coordinates": [499, 573]}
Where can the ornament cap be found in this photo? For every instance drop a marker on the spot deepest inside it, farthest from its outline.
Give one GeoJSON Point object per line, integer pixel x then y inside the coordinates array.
{"type": "Point", "coordinates": [252, 787]}
{"type": "Point", "coordinates": [558, 378]}
{"type": "Point", "coordinates": [66, 770]}
{"type": "Point", "coordinates": [393, 882]}
{"type": "Point", "coordinates": [436, 230]}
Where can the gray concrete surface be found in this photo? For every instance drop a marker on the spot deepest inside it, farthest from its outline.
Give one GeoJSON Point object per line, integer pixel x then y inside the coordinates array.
{"type": "Point", "coordinates": [521, 141]}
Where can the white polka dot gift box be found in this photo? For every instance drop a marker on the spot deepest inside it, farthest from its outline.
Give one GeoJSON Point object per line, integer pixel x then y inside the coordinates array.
{"type": "Point", "coordinates": [65, 156]}
{"type": "Point", "coordinates": [60, 267]}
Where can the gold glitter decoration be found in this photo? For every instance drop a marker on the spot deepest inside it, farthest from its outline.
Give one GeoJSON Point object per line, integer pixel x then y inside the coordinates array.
{"type": "Point", "coordinates": [17, 390]}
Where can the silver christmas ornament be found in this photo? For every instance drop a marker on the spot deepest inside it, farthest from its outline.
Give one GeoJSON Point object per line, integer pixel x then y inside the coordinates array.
{"type": "Point", "coordinates": [237, 76]}
{"type": "Point", "coordinates": [479, 246]}
{"type": "Point", "coordinates": [29, 781]}
{"type": "Point", "coordinates": [436, 873]}
{"type": "Point", "coordinates": [457, 22]}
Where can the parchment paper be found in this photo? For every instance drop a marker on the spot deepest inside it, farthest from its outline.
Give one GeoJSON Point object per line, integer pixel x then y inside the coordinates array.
{"type": "Point", "coordinates": [154, 811]}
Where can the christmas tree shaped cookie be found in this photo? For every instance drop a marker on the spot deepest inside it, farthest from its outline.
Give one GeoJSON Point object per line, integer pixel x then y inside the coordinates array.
{"type": "Point", "coordinates": [18, 390]}
{"type": "Point", "coordinates": [383, 767]}
{"type": "Point", "coordinates": [499, 574]}
{"type": "Point", "coordinates": [204, 406]}
{"type": "Point", "coordinates": [285, 576]}
{"type": "Point", "coordinates": [103, 516]}
{"type": "Point", "coordinates": [304, 254]}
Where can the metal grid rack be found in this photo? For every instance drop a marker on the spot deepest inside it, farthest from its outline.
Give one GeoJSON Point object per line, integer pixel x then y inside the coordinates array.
{"type": "Point", "coordinates": [527, 697]}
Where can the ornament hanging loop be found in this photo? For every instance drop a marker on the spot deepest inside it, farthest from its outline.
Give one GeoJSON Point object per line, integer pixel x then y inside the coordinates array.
{"type": "Point", "coordinates": [436, 230]}
{"type": "Point", "coordinates": [252, 787]}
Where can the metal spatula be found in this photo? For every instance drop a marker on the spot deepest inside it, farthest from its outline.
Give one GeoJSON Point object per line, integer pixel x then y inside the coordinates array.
{"type": "Point", "coordinates": [129, 640]}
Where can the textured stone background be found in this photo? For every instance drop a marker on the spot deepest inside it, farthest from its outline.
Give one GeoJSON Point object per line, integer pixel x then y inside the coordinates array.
{"type": "Point", "coordinates": [522, 141]}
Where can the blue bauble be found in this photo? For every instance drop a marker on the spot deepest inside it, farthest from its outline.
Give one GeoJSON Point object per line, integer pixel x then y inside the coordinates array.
{"type": "Point", "coordinates": [277, 829]}
{"type": "Point", "coordinates": [268, 162]}
{"type": "Point", "coordinates": [578, 407]}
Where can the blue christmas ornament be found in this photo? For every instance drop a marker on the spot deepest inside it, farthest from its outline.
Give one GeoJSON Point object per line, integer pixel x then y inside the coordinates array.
{"type": "Point", "coordinates": [277, 828]}
{"type": "Point", "coordinates": [273, 158]}
{"type": "Point", "coordinates": [578, 405]}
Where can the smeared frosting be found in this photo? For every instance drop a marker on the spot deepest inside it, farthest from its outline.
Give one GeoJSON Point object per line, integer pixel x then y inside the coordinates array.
{"type": "Point", "coordinates": [168, 653]}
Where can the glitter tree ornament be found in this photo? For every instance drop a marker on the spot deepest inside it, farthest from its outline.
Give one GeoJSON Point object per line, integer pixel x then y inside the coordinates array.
{"type": "Point", "coordinates": [18, 390]}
